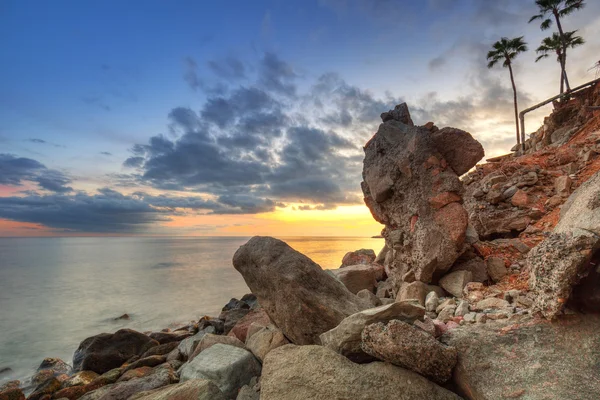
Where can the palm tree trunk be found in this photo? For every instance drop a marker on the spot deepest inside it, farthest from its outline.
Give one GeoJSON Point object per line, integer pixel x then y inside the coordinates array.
{"type": "Point", "coordinates": [563, 59]}
{"type": "Point", "coordinates": [512, 80]}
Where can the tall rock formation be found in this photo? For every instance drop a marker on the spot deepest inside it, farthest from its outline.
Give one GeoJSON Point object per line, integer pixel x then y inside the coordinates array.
{"type": "Point", "coordinates": [411, 185]}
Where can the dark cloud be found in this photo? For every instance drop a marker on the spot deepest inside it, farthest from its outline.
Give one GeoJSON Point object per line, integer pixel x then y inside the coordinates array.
{"type": "Point", "coordinates": [277, 75]}
{"type": "Point", "coordinates": [42, 141]}
{"type": "Point", "coordinates": [229, 68]}
{"type": "Point", "coordinates": [106, 153]}
{"type": "Point", "coordinates": [15, 171]}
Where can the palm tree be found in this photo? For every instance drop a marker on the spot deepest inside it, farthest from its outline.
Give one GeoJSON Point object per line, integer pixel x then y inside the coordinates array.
{"type": "Point", "coordinates": [506, 50]}
{"type": "Point", "coordinates": [554, 44]}
{"type": "Point", "coordinates": [557, 9]}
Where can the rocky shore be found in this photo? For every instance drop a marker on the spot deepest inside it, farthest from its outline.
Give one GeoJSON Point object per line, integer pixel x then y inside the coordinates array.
{"type": "Point", "coordinates": [487, 287]}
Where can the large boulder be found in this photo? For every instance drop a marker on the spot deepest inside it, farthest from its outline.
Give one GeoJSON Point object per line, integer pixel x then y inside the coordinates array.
{"type": "Point", "coordinates": [580, 214]}
{"type": "Point", "coordinates": [195, 389]}
{"type": "Point", "coordinates": [346, 337]}
{"type": "Point", "coordinates": [362, 256]}
{"type": "Point", "coordinates": [318, 373]}
{"type": "Point", "coordinates": [409, 347]}
{"type": "Point", "coordinates": [413, 190]}
{"type": "Point", "coordinates": [529, 359]}
{"type": "Point", "coordinates": [299, 297]}
{"type": "Point", "coordinates": [106, 351]}
{"type": "Point", "coordinates": [228, 366]}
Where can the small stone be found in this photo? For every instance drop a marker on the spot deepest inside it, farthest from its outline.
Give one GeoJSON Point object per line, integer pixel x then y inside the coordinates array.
{"type": "Point", "coordinates": [413, 291]}
{"type": "Point", "coordinates": [492, 302]}
{"type": "Point", "coordinates": [481, 318]}
{"type": "Point", "coordinates": [427, 325]}
{"type": "Point", "coordinates": [432, 301]}
{"type": "Point", "coordinates": [447, 313]}
{"type": "Point", "coordinates": [462, 309]}
{"type": "Point", "coordinates": [470, 317]}
{"type": "Point", "coordinates": [444, 304]}
{"type": "Point", "coordinates": [562, 185]}
{"type": "Point", "coordinates": [496, 268]}
{"type": "Point", "coordinates": [455, 281]}
{"type": "Point", "coordinates": [510, 192]}
{"type": "Point", "coordinates": [370, 297]}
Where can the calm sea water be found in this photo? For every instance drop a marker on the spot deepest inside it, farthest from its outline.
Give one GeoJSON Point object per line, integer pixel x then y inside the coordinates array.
{"type": "Point", "coordinates": [55, 292]}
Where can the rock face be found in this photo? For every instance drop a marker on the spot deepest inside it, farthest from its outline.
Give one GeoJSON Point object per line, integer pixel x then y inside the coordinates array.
{"type": "Point", "coordinates": [195, 389]}
{"type": "Point", "coordinates": [529, 359]}
{"type": "Point", "coordinates": [411, 186]}
{"type": "Point", "coordinates": [332, 376]}
{"type": "Point", "coordinates": [301, 299]}
{"type": "Point", "coordinates": [228, 366]}
{"type": "Point", "coordinates": [346, 337]}
{"type": "Point", "coordinates": [106, 351]}
{"type": "Point", "coordinates": [411, 348]}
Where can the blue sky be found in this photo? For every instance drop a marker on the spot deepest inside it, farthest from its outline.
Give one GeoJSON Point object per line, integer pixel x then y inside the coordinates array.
{"type": "Point", "coordinates": [85, 82]}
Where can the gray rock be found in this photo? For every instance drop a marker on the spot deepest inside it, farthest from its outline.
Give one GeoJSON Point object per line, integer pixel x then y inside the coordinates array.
{"type": "Point", "coordinates": [508, 193]}
{"type": "Point", "coordinates": [367, 295]}
{"type": "Point", "coordinates": [447, 313]}
{"type": "Point", "coordinates": [299, 297]}
{"type": "Point", "coordinates": [459, 148]}
{"type": "Point", "coordinates": [247, 393]}
{"type": "Point", "coordinates": [444, 304]}
{"type": "Point", "coordinates": [538, 351]}
{"type": "Point", "coordinates": [124, 390]}
{"type": "Point", "coordinates": [496, 268]}
{"type": "Point", "coordinates": [413, 291]}
{"type": "Point", "coordinates": [580, 215]}
{"type": "Point", "coordinates": [432, 301]}
{"type": "Point", "coordinates": [406, 346]}
{"type": "Point", "coordinates": [209, 340]}
{"type": "Point", "coordinates": [188, 345]}
{"type": "Point", "coordinates": [228, 366]}
{"type": "Point", "coordinates": [462, 309]}
{"type": "Point", "coordinates": [470, 317]}
{"type": "Point", "coordinates": [265, 340]}
{"type": "Point", "coordinates": [454, 282]}
{"type": "Point", "coordinates": [346, 337]}
{"type": "Point", "coordinates": [332, 376]}
{"type": "Point", "coordinates": [399, 113]}
{"type": "Point", "coordinates": [359, 277]}
{"type": "Point", "coordinates": [476, 266]}
{"type": "Point", "coordinates": [195, 389]}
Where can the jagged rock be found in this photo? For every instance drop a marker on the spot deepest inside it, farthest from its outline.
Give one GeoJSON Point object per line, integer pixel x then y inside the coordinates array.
{"type": "Point", "coordinates": [346, 337]}
{"type": "Point", "coordinates": [56, 365]}
{"type": "Point", "coordinates": [476, 266]}
{"type": "Point", "coordinates": [414, 291]}
{"type": "Point", "coordinates": [106, 351]}
{"type": "Point", "coordinates": [455, 282]}
{"type": "Point", "coordinates": [410, 187]}
{"type": "Point", "coordinates": [195, 389]}
{"type": "Point", "coordinates": [299, 297]}
{"type": "Point", "coordinates": [411, 348]}
{"type": "Point", "coordinates": [399, 113]}
{"type": "Point", "coordinates": [380, 259]}
{"type": "Point", "coordinates": [362, 256]}
{"type": "Point", "coordinates": [458, 148]}
{"type": "Point", "coordinates": [228, 366]}
{"type": "Point", "coordinates": [359, 277]}
{"type": "Point", "coordinates": [332, 376]}
{"type": "Point", "coordinates": [367, 295]}
{"type": "Point", "coordinates": [496, 268]}
{"type": "Point", "coordinates": [545, 362]}
{"type": "Point", "coordinates": [265, 340]}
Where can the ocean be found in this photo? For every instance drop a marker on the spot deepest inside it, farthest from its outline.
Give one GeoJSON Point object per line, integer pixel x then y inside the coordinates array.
{"type": "Point", "coordinates": [55, 292]}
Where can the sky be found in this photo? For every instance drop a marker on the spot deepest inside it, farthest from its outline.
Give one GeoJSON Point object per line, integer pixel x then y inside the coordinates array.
{"type": "Point", "coordinates": [243, 117]}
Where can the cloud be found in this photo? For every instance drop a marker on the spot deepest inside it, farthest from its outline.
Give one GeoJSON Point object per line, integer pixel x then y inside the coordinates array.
{"type": "Point", "coordinates": [277, 75]}
{"type": "Point", "coordinates": [106, 153]}
{"type": "Point", "coordinates": [229, 68]}
{"type": "Point", "coordinates": [15, 171]}
{"type": "Point", "coordinates": [42, 141]}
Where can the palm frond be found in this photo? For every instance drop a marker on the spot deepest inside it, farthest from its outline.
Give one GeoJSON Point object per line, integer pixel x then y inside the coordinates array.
{"type": "Point", "coordinates": [541, 56]}
{"type": "Point", "coordinates": [546, 24]}
{"type": "Point", "coordinates": [539, 16]}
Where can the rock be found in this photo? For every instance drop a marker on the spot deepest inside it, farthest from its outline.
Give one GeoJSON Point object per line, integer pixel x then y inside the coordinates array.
{"type": "Point", "coordinates": [380, 259]}
{"type": "Point", "coordinates": [496, 268]}
{"type": "Point", "coordinates": [491, 302]}
{"type": "Point", "coordinates": [510, 192]}
{"type": "Point", "coordinates": [427, 325]}
{"type": "Point", "coordinates": [476, 266]}
{"type": "Point", "coordinates": [150, 361]}
{"type": "Point", "coordinates": [470, 317]}
{"type": "Point", "coordinates": [414, 291]}
{"type": "Point", "coordinates": [454, 282]}
{"type": "Point", "coordinates": [332, 376]}
{"type": "Point", "coordinates": [194, 389]}
{"type": "Point", "coordinates": [368, 296]}
{"type": "Point", "coordinates": [125, 389]}
{"type": "Point", "coordinates": [399, 113]}
{"type": "Point", "coordinates": [462, 309]}
{"type": "Point", "coordinates": [346, 337]}
{"type": "Point", "coordinates": [520, 199]}
{"type": "Point", "coordinates": [42, 376]}
{"type": "Point", "coordinates": [432, 301]}
{"type": "Point", "coordinates": [80, 378]}
{"type": "Point", "coordinates": [254, 327]}
{"type": "Point", "coordinates": [232, 317]}
{"type": "Point", "coordinates": [265, 340]}
{"type": "Point", "coordinates": [12, 394]}
{"type": "Point", "coordinates": [562, 185]}
{"type": "Point", "coordinates": [169, 337]}
{"type": "Point", "coordinates": [188, 346]}
{"type": "Point", "coordinates": [160, 350]}
{"type": "Point", "coordinates": [210, 340]}
{"type": "Point", "coordinates": [537, 352]}
{"type": "Point", "coordinates": [299, 297]}
{"type": "Point", "coordinates": [458, 148]}
{"type": "Point", "coordinates": [240, 330]}
{"type": "Point", "coordinates": [135, 373]}
{"type": "Point", "coordinates": [362, 256]}
{"type": "Point", "coordinates": [385, 289]}
{"type": "Point", "coordinates": [229, 367]}
{"type": "Point", "coordinates": [56, 365]}
{"type": "Point", "coordinates": [580, 215]}
{"type": "Point", "coordinates": [444, 304]}
{"type": "Point", "coordinates": [106, 351]}
{"type": "Point", "coordinates": [247, 393]}
{"type": "Point", "coordinates": [97, 394]}
{"type": "Point", "coordinates": [447, 313]}
{"type": "Point", "coordinates": [481, 318]}
{"type": "Point", "coordinates": [406, 346]}
{"type": "Point", "coordinates": [406, 181]}
{"type": "Point", "coordinates": [359, 277]}
{"type": "Point", "coordinates": [15, 384]}
{"type": "Point", "coordinates": [557, 264]}
{"type": "Point", "coordinates": [46, 388]}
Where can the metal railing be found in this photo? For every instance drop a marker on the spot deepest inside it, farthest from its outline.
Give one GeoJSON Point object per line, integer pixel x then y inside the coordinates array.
{"type": "Point", "coordinates": [543, 103]}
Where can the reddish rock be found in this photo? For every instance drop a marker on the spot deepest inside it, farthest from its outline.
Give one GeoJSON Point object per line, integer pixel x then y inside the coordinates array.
{"type": "Point", "coordinates": [135, 373]}
{"type": "Point", "coordinates": [520, 199]}
{"type": "Point", "coordinates": [12, 394]}
{"type": "Point", "coordinates": [453, 218]}
{"type": "Point", "coordinates": [443, 199]}
{"type": "Point", "coordinates": [240, 330]}
{"type": "Point", "coordinates": [362, 256]}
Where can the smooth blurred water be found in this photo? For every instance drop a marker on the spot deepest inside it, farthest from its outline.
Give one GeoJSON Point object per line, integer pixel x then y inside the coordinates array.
{"type": "Point", "coordinates": [55, 292]}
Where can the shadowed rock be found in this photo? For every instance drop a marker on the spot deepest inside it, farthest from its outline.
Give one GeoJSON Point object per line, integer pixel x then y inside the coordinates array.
{"type": "Point", "coordinates": [301, 299]}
